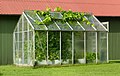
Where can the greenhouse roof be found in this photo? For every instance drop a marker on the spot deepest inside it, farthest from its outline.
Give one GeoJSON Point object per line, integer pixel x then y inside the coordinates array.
{"type": "Point", "coordinates": [59, 25]}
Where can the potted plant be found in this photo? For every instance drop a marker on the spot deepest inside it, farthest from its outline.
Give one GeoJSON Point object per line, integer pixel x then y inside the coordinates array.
{"type": "Point", "coordinates": [90, 57]}
{"type": "Point", "coordinates": [80, 57]}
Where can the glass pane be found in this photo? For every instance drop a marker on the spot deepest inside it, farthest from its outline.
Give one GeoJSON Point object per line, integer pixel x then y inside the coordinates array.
{"type": "Point", "coordinates": [97, 25]}
{"type": "Point", "coordinates": [32, 17]}
{"type": "Point", "coordinates": [30, 49]}
{"type": "Point", "coordinates": [30, 53]}
{"type": "Point", "coordinates": [17, 27]}
{"type": "Point", "coordinates": [25, 47]}
{"type": "Point", "coordinates": [102, 41]}
{"type": "Point", "coordinates": [16, 52]}
{"type": "Point", "coordinates": [91, 47]}
{"type": "Point", "coordinates": [25, 24]}
{"type": "Point", "coordinates": [41, 47]}
{"type": "Point", "coordinates": [20, 52]}
{"type": "Point", "coordinates": [75, 26]}
{"type": "Point", "coordinates": [25, 52]}
{"type": "Point", "coordinates": [20, 24]}
{"type": "Point", "coordinates": [16, 36]}
{"type": "Point", "coordinates": [63, 26]}
{"type": "Point", "coordinates": [87, 27]}
{"type": "Point", "coordinates": [20, 36]}
{"type": "Point", "coordinates": [30, 27]}
{"type": "Point", "coordinates": [31, 35]}
{"type": "Point", "coordinates": [56, 15]}
{"type": "Point", "coordinates": [32, 14]}
{"type": "Point", "coordinates": [54, 47]}
{"type": "Point", "coordinates": [66, 46]}
{"type": "Point", "coordinates": [25, 36]}
{"type": "Point", "coordinates": [79, 47]}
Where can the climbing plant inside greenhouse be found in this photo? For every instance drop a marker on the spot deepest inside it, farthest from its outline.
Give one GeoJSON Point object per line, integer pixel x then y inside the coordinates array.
{"type": "Point", "coordinates": [59, 37]}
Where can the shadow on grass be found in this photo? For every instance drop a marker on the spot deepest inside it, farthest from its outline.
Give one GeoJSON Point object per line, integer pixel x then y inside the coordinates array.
{"type": "Point", "coordinates": [1, 74]}
{"type": "Point", "coordinates": [58, 66]}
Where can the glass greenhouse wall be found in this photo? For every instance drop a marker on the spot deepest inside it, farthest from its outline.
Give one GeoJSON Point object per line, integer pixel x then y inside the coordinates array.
{"type": "Point", "coordinates": [59, 42]}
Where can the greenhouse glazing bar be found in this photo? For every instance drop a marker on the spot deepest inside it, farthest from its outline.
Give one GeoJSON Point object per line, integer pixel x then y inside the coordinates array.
{"type": "Point", "coordinates": [72, 47]}
{"type": "Point", "coordinates": [22, 39]}
{"type": "Point", "coordinates": [33, 47]}
{"type": "Point", "coordinates": [81, 26]}
{"type": "Point", "coordinates": [85, 46]}
{"type": "Point", "coordinates": [18, 39]}
{"type": "Point", "coordinates": [96, 40]}
{"type": "Point", "coordinates": [28, 44]}
{"type": "Point", "coordinates": [14, 42]}
{"type": "Point", "coordinates": [107, 50]}
{"type": "Point", "coordinates": [60, 47]}
{"type": "Point", "coordinates": [47, 47]}
{"type": "Point", "coordinates": [69, 25]}
{"type": "Point", "coordinates": [107, 41]}
{"type": "Point", "coordinates": [57, 25]}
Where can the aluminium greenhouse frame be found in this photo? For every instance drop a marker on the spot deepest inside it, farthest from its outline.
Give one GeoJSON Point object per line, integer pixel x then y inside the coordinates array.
{"type": "Point", "coordinates": [30, 23]}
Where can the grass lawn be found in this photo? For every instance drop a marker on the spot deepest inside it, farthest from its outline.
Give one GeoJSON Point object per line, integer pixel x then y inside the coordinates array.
{"type": "Point", "coordinates": [77, 70]}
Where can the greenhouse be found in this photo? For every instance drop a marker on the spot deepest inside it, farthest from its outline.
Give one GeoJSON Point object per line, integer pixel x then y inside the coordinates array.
{"type": "Point", "coordinates": [39, 39]}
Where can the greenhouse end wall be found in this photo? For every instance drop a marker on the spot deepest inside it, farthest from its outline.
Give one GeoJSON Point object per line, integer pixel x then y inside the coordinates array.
{"type": "Point", "coordinates": [61, 43]}
{"type": "Point", "coordinates": [23, 43]}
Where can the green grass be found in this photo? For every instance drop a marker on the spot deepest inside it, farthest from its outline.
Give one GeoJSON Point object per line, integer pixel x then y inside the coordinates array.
{"type": "Point", "coordinates": [77, 70]}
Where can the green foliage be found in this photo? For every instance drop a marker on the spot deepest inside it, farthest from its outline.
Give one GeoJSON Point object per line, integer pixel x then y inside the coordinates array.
{"type": "Point", "coordinates": [25, 50]}
{"type": "Point", "coordinates": [40, 45]}
{"type": "Point", "coordinates": [38, 22]}
{"type": "Point", "coordinates": [47, 16]}
{"type": "Point", "coordinates": [54, 47]}
{"type": "Point", "coordinates": [90, 56]}
{"type": "Point", "coordinates": [66, 46]}
{"type": "Point", "coordinates": [58, 9]}
{"type": "Point", "coordinates": [67, 16]}
{"type": "Point", "coordinates": [48, 9]}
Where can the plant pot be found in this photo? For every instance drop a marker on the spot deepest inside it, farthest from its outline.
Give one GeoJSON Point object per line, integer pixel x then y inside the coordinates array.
{"type": "Point", "coordinates": [43, 62]}
{"type": "Point", "coordinates": [20, 60]}
{"type": "Point", "coordinates": [82, 61]}
{"type": "Point", "coordinates": [54, 62]}
{"type": "Point", "coordinates": [57, 61]}
{"type": "Point", "coordinates": [66, 62]}
{"type": "Point", "coordinates": [49, 62]}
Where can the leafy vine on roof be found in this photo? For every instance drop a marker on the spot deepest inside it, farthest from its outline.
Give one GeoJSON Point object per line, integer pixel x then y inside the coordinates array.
{"type": "Point", "coordinates": [66, 16]}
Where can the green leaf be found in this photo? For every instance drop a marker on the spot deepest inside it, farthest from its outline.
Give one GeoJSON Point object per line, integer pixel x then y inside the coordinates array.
{"type": "Point", "coordinates": [92, 25]}
{"type": "Point", "coordinates": [48, 9]}
{"type": "Point", "coordinates": [88, 23]}
{"type": "Point", "coordinates": [58, 9]}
